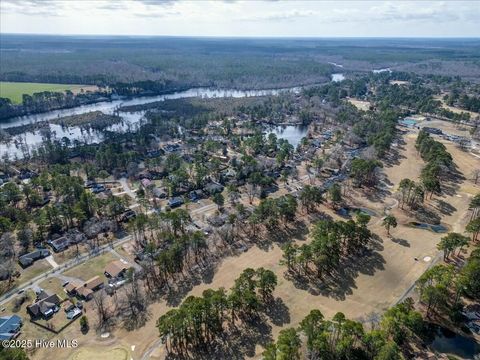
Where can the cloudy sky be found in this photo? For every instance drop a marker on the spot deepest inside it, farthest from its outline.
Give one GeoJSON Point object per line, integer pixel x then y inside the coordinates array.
{"type": "Point", "coordinates": [242, 18]}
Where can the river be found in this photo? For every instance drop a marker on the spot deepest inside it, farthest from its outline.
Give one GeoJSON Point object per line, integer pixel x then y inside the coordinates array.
{"type": "Point", "coordinates": [130, 120]}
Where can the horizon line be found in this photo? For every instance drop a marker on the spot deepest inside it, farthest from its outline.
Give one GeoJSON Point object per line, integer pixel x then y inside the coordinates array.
{"type": "Point", "coordinates": [246, 37]}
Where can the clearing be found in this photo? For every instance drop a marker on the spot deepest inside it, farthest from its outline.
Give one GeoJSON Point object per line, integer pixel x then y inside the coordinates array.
{"type": "Point", "coordinates": [91, 268]}
{"type": "Point", "coordinates": [360, 104]}
{"type": "Point", "coordinates": [15, 90]}
{"type": "Point", "coordinates": [455, 109]}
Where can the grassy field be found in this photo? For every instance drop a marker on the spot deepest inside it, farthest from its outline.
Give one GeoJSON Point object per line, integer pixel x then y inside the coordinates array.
{"type": "Point", "coordinates": [15, 90]}
{"type": "Point", "coordinates": [101, 353]}
{"type": "Point", "coordinates": [92, 267]}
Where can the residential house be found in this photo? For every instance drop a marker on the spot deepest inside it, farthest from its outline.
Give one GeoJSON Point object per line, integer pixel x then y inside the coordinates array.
{"type": "Point", "coordinates": [45, 306]}
{"type": "Point", "coordinates": [71, 288]}
{"type": "Point", "coordinates": [432, 130]}
{"type": "Point", "coordinates": [116, 269]}
{"type": "Point", "coordinates": [10, 326]}
{"type": "Point", "coordinates": [71, 238]}
{"type": "Point", "coordinates": [175, 202]}
{"type": "Point", "coordinates": [127, 215]}
{"type": "Point", "coordinates": [195, 195]}
{"type": "Point", "coordinates": [216, 221]}
{"type": "Point", "coordinates": [98, 188]}
{"type": "Point", "coordinates": [159, 193]}
{"type": "Point", "coordinates": [169, 148]}
{"type": "Point", "coordinates": [146, 182]}
{"type": "Point", "coordinates": [28, 259]}
{"type": "Point", "coordinates": [89, 287]}
{"type": "Point", "coordinates": [68, 306]}
{"type": "Point", "coordinates": [213, 188]}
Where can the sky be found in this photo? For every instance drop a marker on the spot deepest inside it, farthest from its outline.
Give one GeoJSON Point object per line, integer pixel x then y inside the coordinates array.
{"type": "Point", "coordinates": [243, 18]}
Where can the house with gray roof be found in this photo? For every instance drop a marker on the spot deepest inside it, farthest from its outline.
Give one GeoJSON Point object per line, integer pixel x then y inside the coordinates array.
{"type": "Point", "coordinates": [10, 326]}
{"type": "Point", "coordinates": [28, 259]}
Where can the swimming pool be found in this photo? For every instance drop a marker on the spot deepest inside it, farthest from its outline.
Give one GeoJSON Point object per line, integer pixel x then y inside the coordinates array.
{"type": "Point", "coordinates": [408, 122]}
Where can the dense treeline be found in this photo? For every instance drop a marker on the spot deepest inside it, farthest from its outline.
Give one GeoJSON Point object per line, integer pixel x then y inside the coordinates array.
{"type": "Point", "coordinates": [439, 162]}
{"type": "Point", "coordinates": [330, 241]}
{"type": "Point", "coordinates": [199, 321]}
{"type": "Point", "coordinates": [462, 100]}
{"type": "Point", "coordinates": [341, 338]}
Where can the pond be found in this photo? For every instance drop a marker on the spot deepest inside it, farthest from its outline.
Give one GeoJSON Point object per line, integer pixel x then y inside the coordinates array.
{"type": "Point", "coordinates": [448, 342]}
{"type": "Point", "coordinates": [292, 133]}
{"type": "Point", "coordinates": [437, 228]}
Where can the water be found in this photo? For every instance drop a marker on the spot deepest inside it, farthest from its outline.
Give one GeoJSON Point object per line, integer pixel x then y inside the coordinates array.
{"type": "Point", "coordinates": [109, 107]}
{"type": "Point", "coordinates": [409, 122]}
{"type": "Point", "coordinates": [292, 133]}
{"type": "Point", "coordinates": [449, 342]}
{"type": "Point", "coordinates": [378, 71]}
{"type": "Point", "coordinates": [338, 77]}
{"type": "Point", "coordinates": [437, 228]}
{"type": "Point", "coordinates": [130, 121]}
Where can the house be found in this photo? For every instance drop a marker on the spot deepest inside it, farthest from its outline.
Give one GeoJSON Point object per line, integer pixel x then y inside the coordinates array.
{"type": "Point", "coordinates": [59, 244]}
{"type": "Point", "coordinates": [216, 221]}
{"type": "Point", "coordinates": [169, 148]}
{"type": "Point", "coordinates": [68, 306]}
{"type": "Point", "coordinates": [195, 195]}
{"type": "Point", "coordinates": [154, 153]}
{"type": "Point", "coordinates": [127, 215]}
{"type": "Point", "coordinates": [71, 288]}
{"type": "Point", "coordinates": [213, 188]}
{"type": "Point", "coordinates": [116, 269]}
{"type": "Point", "coordinates": [84, 293]}
{"type": "Point", "coordinates": [10, 326]}
{"type": "Point", "coordinates": [89, 287]}
{"type": "Point", "coordinates": [146, 182]}
{"type": "Point", "coordinates": [432, 130]}
{"type": "Point", "coordinates": [159, 193]}
{"type": "Point", "coordinates": [98, 188]}
{"type": "Point", "coordinates": [27, 174]}
{"type": "Point", "coordinates": [45, 306]}
{"type": "Point", "coordinates": [28, 259]}
{"type": "Point", "coordinates": [175, 202]}
{"type": "Point", "coordinates": [71, 238]}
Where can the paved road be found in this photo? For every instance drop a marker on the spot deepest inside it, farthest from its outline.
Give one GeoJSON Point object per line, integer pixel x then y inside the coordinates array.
{"type": "Point", "coordinates": [63, 267]}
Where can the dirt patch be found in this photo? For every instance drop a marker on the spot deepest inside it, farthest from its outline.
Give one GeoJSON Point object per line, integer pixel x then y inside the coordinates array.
{"type": "Point", "coordinates": [360, 104]}
{"type": "Point", "coordinates": [99, 353]}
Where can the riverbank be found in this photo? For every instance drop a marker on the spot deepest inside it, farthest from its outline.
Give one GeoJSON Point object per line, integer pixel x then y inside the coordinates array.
{"type": "Point", "coordinates": [16, 111]}
{"type": "Point", "coordinates": [95, 120]}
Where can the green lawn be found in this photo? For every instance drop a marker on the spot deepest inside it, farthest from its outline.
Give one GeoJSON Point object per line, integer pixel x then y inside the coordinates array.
{"type": "Point", "coordinates": [15, 90]}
